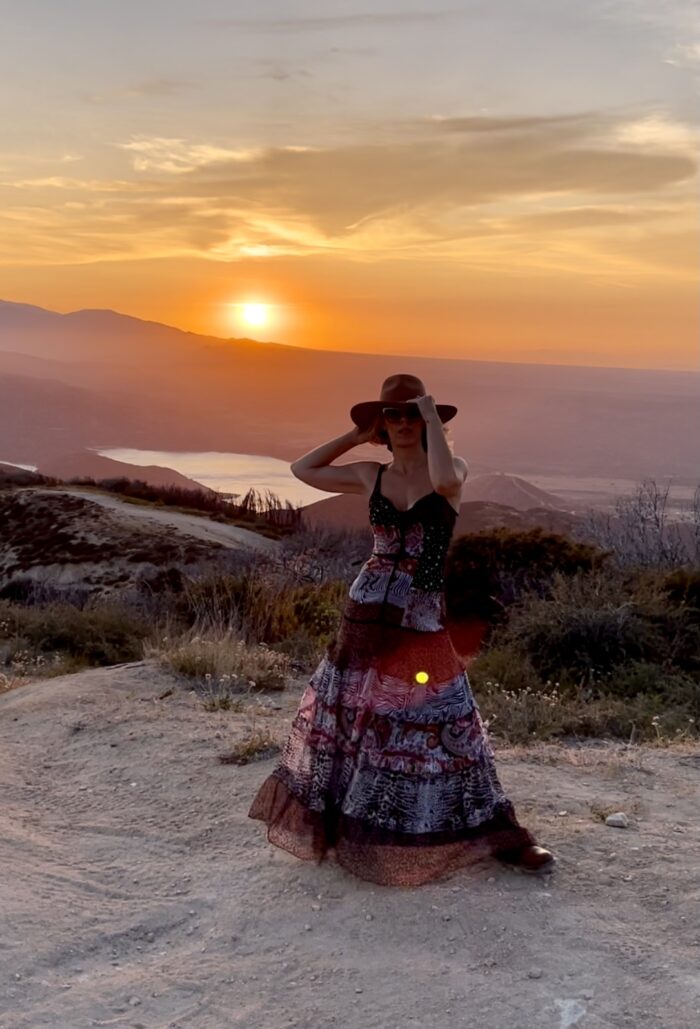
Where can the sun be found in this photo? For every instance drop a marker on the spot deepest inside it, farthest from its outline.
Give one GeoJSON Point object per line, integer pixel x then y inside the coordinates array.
{"type": "Point", "coordinates": [254, 314]}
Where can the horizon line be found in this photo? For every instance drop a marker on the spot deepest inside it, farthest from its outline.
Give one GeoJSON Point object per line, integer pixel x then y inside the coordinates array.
{"type": "Point", "coordinates": [351, 353]}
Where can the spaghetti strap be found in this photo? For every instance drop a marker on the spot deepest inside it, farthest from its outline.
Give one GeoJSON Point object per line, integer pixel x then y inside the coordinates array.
{"type": "Point", "coordinates": [377, 479]}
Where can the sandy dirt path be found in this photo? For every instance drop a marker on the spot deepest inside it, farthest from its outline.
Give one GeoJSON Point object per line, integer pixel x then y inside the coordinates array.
{"type": "Point", "coordinates": [136, 892]}
{"type": "Point", "coordinates": [200, 527]}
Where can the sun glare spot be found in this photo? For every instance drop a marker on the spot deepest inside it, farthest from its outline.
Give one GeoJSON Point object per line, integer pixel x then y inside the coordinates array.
{"type": "Point", "coordinates": [255, 314]}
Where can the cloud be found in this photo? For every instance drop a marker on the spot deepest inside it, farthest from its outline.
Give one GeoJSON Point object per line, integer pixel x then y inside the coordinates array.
{"type": "Point", "coordinates": [80, 185]}
{"type": "Point", "coordinates": [178, 156]}
{"type": "Point", "coordinates": [278, 73]}
{"type": "Point", "coordinates": [550, 192]}
{"type": "Point", "coordinates": [316, 23]}
{"type": "Point", "coordinates": [145, 88]}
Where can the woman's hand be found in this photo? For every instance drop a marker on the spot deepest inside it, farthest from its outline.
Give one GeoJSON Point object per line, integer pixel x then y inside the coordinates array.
{"type": "Point", "coordinates": [363, 435]}
{"type": "Point", "coordinates": [426, 406]}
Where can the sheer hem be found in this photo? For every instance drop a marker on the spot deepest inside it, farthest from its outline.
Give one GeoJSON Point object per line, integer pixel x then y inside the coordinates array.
{"type": "Point", "coordinates": [376, 854]}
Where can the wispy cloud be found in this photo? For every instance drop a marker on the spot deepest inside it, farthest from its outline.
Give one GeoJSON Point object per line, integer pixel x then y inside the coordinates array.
{"type": "Point", "coordinates": [178, 156]}
{"type": "Point", "coordinates": [583, 191]}
{"type": "Point", "coordinates": [158, 87]}
{"type": "Point", "coordinates": [359, 20]}
{"type": "Point", "coordinates": [81, 185]}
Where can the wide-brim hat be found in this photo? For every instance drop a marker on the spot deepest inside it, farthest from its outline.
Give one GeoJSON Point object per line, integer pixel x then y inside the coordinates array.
{"type": "Point", "coordinates": [397, 391]}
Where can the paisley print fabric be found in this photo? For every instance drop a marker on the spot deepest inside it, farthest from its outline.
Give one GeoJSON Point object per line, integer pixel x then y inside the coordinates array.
{"type": "Point", "coordinates": [388, 764]}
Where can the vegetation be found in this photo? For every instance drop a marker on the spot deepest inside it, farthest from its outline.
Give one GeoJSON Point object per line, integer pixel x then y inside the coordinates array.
{"type": "Point", "coordinates": [583, 640]}
{"type": "Point", "coordinates": [254, 510]}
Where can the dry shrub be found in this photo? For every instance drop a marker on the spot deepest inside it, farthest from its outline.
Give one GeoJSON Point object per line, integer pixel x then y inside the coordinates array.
{"type": "Point", "coordinates": [256, 747]}
{"type": "Point", "coordinates": [528, 715]}
{"type": "Point", "coordinates": [103, 632]}
{"type": "Point", "coordinates": [222, 658]}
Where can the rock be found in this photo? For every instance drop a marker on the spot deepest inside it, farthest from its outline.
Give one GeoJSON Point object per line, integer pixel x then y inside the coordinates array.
{"type": "Point", "coordinates": [535, 973]}
{"type": "Point", "coordinates": [618, 820]}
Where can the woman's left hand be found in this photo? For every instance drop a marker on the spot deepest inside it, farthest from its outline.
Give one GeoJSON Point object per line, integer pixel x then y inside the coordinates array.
{"type": "Point", "coordinates": [426, 406]}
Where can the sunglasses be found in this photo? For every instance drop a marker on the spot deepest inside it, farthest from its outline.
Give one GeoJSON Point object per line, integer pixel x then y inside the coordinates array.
{"type": "Point", "coordinates": [394, 414]}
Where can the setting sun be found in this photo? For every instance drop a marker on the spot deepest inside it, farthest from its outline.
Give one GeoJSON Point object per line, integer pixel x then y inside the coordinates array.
{"type": "Point", "coordinates": [255, 314]}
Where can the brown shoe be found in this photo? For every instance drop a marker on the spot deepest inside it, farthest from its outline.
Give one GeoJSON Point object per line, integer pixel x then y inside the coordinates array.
{"type": "Point", "coordinates": [530, 859]}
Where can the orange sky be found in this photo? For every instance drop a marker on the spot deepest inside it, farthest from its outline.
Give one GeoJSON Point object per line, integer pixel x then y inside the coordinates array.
{"type": "Point", "coordinates": [541, 214]}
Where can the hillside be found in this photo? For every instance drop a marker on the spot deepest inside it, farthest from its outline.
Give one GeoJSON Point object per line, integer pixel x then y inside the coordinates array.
{"type": "Point", "coordinates": [97, 542]}
{"type": "Point", "coordinates": [137, 891]}
{"type": "Point", "coordinates": [84, 464]}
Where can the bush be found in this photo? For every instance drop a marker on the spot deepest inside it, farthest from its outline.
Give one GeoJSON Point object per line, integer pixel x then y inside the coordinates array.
{"type": "Point", "coordinates": [222, 659]}
{"type": "Point", "coordinates": [521, 717]}
{"type": "Point", "coordinates": [589, 624]}
{"type": "Point", "coordinates": [485, 572]}
{"type": "Point", "coordinates": [262, 609]}
{"type": "Point", "coordinates": [101, 633]}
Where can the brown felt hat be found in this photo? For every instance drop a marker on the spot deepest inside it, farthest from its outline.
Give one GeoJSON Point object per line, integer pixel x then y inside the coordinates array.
{"type": "Point", "coordinates": [396, 391]}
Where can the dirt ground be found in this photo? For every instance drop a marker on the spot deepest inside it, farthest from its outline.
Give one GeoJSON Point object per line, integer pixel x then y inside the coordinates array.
{"type": "Point", "coordinates": [136, 892]}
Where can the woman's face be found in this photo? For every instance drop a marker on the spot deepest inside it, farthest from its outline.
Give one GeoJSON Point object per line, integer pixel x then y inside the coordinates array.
{"type": "Point", "coordinates": [403, 430]}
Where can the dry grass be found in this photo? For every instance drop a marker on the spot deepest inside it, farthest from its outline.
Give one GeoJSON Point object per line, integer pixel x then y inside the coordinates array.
{"type": "Point", "coordinates": [529, 715]}
{"type": "Point", "coordinates": [221, 660]}
{"type": "Point", "coordinates": [259, 746]}
{"type": "Point", "coordinates": [10, 682]}
{"type": "Point", "coordinates": [595, 754]}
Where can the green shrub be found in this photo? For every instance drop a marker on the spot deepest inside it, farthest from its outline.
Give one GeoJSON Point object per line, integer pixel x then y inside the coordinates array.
{"type": "Point", "coordinates": [588, 624]}
{"type": "Point", "coordinates": [487, 571]}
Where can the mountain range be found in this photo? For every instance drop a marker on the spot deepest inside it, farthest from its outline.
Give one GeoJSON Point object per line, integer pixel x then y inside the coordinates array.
{"type": "Point", "coordinates": [99, 379]}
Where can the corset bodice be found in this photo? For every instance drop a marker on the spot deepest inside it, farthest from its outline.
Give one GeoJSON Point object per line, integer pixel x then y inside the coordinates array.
{"type": "Point", "coordinates": [418, 537]}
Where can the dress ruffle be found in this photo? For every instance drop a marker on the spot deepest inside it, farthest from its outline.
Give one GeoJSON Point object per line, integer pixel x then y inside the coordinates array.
{"type": "Point", "coordinates": [376, 854]}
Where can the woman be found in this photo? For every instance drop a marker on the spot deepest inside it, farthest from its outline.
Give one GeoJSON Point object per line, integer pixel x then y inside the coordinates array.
{"type": "Point", "coordinates": [388, 765]}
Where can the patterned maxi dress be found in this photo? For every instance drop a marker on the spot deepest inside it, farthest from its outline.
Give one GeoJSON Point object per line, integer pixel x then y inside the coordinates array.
{"type": "Point", "coordinates": [390, 767]}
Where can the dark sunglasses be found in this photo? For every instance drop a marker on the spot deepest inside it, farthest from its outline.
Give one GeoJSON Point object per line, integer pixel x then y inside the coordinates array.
{"type": "Point", "coordinates": [394, 414]}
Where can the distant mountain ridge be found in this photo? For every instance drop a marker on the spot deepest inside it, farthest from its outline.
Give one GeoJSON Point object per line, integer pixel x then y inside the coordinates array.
{"type": "Point", "coordinates": [113, 380]}
{"type": "Point", "coordinates": [529, 506]}
{"type": "Point", "coordinates": [85, 465]}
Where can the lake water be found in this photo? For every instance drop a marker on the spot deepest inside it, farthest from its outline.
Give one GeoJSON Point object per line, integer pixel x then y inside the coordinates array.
{"type": "Point", "coordinates": [226, 472]}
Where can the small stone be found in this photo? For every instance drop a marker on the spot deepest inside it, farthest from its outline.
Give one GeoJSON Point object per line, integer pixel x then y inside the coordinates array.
{"type": "Point", "coordinates": [307, 927]}
{"type": "Point", "coordinates": [618, 820]}
{"type": "Point", "coordinates": [368, 918]}
{"type": "Point", "coordinates": [315, 907]}
{"type": "Point", "coordinates": [134, 1001]}
{"type": "Point", "coordinates": [562, 813]}
{"type": "Point", "coordinates": [358, 989]}
{"type": "Point", "coordinates": [535, 973]}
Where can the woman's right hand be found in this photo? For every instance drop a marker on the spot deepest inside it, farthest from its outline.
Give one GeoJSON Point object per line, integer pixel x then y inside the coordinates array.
{"type": "Point", "coordinates": [365, 435]}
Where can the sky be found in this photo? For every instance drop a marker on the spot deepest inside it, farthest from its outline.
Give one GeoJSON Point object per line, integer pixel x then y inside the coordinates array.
{"type": "Point", "coordinates": [510, 180]}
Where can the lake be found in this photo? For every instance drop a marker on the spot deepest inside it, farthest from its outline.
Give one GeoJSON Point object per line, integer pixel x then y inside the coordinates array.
{"type": "Point", "coordinates": [226, 472]}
